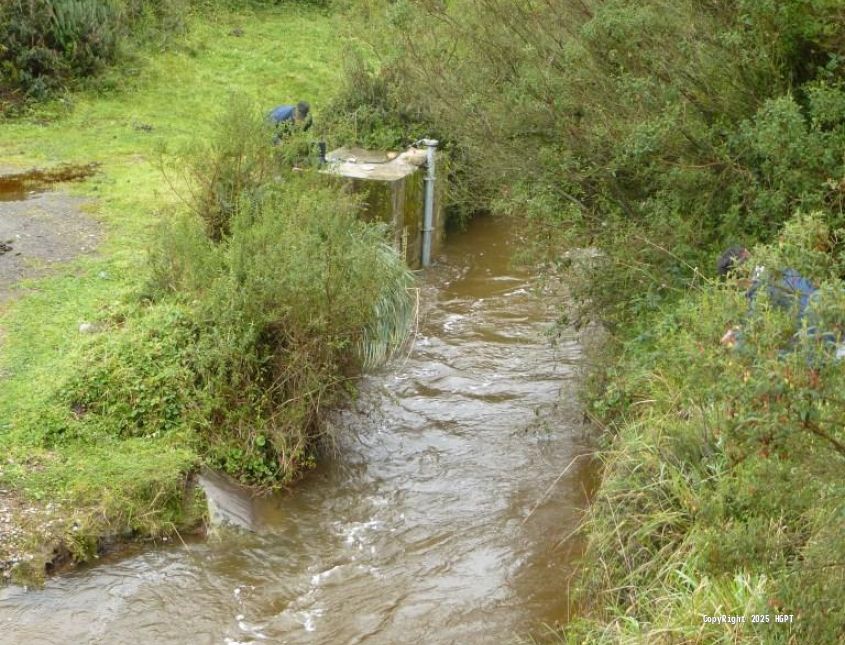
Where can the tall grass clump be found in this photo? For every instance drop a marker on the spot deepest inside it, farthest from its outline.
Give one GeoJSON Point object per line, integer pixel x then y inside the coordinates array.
{"type": "Point", "coordinates": [304, 298]}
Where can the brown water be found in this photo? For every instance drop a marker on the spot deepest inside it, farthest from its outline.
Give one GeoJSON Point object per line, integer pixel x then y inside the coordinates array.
{"type": "Point", "coordinates": [20, 186]}
{"type": "Point", "coordinates": [439, 521]}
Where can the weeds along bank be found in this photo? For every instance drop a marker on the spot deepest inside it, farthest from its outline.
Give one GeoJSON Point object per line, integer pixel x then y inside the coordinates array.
{"type": "Point", "coordinates": [658, 132]}
{"type": "Point", "coordinates": [233, 301]}
{"type": "Point", "coordinates": [723, 484]}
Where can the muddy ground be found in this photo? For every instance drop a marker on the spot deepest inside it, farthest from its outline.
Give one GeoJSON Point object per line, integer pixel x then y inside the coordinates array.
{"type": "Point", "coordinates": [19, 522]}
{"type": "Point", "coordinates": [39, 229]}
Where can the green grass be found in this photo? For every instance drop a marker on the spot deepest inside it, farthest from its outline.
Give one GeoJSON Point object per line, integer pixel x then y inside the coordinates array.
{"type": "Point", "coordinates": [284, 54]}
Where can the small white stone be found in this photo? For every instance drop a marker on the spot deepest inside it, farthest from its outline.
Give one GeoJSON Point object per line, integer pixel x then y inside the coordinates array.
{"type": "Point", "coordinates": [87, 328]}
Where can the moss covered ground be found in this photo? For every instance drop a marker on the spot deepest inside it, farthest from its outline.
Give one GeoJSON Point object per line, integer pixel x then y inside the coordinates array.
{"type": "Point", "coordinates": [143, 114]}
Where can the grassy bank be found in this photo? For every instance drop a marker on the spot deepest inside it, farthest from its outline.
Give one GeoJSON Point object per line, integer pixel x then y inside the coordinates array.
{"type": "Point", "coordinates": [68, 474]}
{"type": "Point", "coordinates": [723, 490]}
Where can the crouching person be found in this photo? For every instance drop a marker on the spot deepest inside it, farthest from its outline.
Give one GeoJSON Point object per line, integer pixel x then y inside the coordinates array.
{"type": "Point", "coordinates": [789, 291]}
{"type": "Point", "coordinates": [288, 118]}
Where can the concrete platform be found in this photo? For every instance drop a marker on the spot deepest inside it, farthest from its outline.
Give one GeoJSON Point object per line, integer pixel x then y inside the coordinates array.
{"type": "Point", "coordinates": [392, 187]}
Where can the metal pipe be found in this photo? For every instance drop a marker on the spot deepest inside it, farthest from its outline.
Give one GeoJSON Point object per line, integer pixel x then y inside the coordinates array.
{"type": "Point", "coordinates": [428, 216]}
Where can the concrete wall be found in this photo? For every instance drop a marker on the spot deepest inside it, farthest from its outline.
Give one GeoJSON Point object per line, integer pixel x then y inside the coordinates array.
{"type": "Point", "coordinates": [396, 196]}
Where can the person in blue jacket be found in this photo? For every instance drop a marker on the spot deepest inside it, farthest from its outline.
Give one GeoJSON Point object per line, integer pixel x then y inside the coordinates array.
{"type": "Point", "coordinates": [288, 117]}
{"type": "Point", "coordinates": [787, 290]}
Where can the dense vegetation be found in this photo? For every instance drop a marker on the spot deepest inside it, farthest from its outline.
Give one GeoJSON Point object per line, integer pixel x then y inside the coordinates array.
{"type": "Point", "coordinates": [264, 301]}
{"type": "Point", "coordinates": [658, 132]}
{"type": "Point", "coordinates": [253, 325]}
{"type": "Point", "coordinates": [654, 131]}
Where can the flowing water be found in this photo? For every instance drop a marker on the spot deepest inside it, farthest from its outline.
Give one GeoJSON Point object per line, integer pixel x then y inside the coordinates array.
{"type": "Point", "coordinates": [441, 520]}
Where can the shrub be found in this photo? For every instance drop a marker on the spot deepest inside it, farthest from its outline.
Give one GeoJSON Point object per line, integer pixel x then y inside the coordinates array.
{"type": "Point", "coordinates": [366, 109]}
{"type": "Point", "coordinates": [231, 169]}
{"type": "Point", "coordinates": [307, 296]}
{"type": "Point", "coordinates": [47, 44]}
{"type": "Point", "coordinates": [263, 307]}
{"type": "Point", "coordinates": [656, 130]}
{"type": "Point", "coordinates": [47, 41]}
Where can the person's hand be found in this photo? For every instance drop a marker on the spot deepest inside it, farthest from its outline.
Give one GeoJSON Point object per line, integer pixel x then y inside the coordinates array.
{"type": "Point", "coordinates": [729, 339]}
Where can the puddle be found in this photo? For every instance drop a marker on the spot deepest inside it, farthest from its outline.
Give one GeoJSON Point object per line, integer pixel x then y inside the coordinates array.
{"type": "Point", "coordinates": [21, 186]}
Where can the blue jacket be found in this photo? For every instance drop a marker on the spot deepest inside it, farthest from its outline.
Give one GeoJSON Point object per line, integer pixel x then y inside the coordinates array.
{"type": "Point", "coordinates": [282, 113]}
{"type": "Point", "coordinates": [793, 292]}
{"type": "Point", "coordinates": [789, 290]}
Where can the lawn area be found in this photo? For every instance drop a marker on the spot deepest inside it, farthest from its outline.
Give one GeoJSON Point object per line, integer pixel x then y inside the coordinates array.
{"type": "Point", "coordinates": [159, 105]}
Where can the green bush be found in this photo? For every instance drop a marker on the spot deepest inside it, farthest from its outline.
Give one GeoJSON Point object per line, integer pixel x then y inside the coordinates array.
{"type": "Point", "coordinates": [367, 111]}
{"type": "Point", "coordinates": [47, 44]}
{"type": "Point", "coordinates": [48, 41]}
{"type": "Point", "coordinates": [263, 307]}
{"type": "Point", "coordinates": [306, 295]}
{"type": "Point", "coordinates": [231, 170]}
{"type": "Point", "coordinates": [137, 381]}
{"type": "Point", "coordinates": [656, 131]}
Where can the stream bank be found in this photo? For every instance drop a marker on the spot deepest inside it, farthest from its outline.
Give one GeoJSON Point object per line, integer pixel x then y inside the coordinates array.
{"type": "Point", "coordinates": [438, 519]}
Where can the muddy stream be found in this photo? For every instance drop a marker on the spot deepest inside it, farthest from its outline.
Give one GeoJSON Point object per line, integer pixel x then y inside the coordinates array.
{"type": "Point", "coordinates": [440, 520]}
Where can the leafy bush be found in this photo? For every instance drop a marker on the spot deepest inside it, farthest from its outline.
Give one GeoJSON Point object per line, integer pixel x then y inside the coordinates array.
{"type": "Point", "coordinates": [231, 170]}
{"type": "Point", "coordinates": [247, 341]}
{"type": "Point", "coordinates": [46, 41]}
{"type": "Point", "coordinates": [251, 328]}
{"type": "Point", "coordinates": [306, 294]}
{"type": "Point", "coordinates": [366, 109]}
{"type": "Point", "coordinates": [654, 130]}
{"type": "Point", "coordinates": [137, 381]}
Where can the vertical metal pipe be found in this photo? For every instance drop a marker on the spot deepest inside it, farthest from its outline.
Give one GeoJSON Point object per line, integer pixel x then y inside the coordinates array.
{"type": "Point", "coordinates": [428, 216]}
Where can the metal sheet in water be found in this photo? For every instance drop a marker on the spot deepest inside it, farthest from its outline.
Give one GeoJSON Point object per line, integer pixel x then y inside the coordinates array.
{"type": "Point", "coordinates": [438, 522]}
